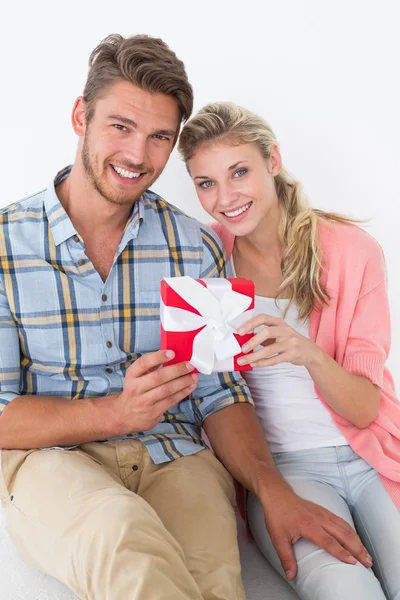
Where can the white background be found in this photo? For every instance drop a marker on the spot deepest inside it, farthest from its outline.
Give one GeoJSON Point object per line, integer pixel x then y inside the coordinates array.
{"type": "Point", "coordinates": [324, 73]}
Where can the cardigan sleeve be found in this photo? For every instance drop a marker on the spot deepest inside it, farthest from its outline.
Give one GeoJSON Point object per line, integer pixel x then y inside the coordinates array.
{"type": "Point", "coordinates": [369, 338]}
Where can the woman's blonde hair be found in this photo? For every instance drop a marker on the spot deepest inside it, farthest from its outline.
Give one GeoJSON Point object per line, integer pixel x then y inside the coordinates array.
{"type": "Point", "coordinates": [298, 229]}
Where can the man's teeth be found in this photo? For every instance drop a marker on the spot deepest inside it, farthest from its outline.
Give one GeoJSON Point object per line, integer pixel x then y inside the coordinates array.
{"type": "Point", "coordinates": [125, 173]}
{"type": "Point", "coordinates": [239, 211]}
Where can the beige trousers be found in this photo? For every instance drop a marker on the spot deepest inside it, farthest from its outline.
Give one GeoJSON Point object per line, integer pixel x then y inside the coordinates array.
{"type": "Point", "coordinates": [112, 525]}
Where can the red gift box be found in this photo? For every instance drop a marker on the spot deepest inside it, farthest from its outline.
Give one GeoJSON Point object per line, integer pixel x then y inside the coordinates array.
{"type": "Point", "coordinates": [200, 318]}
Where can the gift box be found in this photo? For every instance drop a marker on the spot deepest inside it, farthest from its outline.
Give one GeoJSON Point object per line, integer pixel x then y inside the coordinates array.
{"type": "Point", "coordinates": [200, 319]}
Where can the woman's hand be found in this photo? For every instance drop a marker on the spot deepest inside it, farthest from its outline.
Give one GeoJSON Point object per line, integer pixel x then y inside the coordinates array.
{"type": "Point", "coordinates": [281, 344]}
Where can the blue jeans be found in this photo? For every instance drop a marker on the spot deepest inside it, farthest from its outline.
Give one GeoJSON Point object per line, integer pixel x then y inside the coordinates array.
{"type": "Point", "coordinates": [345, 484]}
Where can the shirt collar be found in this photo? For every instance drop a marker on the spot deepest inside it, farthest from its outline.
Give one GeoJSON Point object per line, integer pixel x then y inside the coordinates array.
{"type": "Point", "coordinates": [61, 225]}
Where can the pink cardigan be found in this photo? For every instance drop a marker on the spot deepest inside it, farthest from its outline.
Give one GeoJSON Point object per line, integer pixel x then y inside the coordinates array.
{"type": "Point", "coordinates": [354, 329]}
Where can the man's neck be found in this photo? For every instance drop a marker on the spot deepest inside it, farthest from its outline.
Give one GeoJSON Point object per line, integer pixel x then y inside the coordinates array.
{"type": "Point", "coordinates": [88, 210]}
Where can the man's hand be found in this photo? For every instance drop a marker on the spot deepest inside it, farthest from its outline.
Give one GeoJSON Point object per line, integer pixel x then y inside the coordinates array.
{"type": "Point", "coordinates": [289, 517]}
{"type": "Point", "coordinates": [150, 391]}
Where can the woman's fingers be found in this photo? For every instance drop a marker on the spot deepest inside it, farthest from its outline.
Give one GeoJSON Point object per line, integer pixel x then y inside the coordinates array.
{"type": "Point", "coordinates": [277, 350]}
{"type": "Point", "coordinates": [259, 320]}
{"type": "Point", "coordinates": [266, 333]}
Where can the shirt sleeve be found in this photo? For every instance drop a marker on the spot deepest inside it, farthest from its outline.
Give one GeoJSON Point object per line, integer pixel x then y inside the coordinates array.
{"type": "Point", "coordinates": [218, 390]}
{"type": "Point", "coordinates": [214, 258]}
{"type": "Point", "coordinates": [369, 336]}
{"type": "Point", "coordinates": [9, 353]}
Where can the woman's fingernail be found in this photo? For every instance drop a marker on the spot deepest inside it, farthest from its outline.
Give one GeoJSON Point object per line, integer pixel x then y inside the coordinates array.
{"type": "Point", "coordinates": [245, 348]}
{"type": "Point", "coordinates": [189, 367]}
{"type": "Point", "coordinates": [241, 331]}
{"type": "Point", "coordinates": [170, 354]}
{"type": "Point", "coordinates": [241, 361]}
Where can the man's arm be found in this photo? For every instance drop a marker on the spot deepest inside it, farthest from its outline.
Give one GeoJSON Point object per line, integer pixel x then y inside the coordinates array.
{"type": "Point", "coordinates": [43, 421]}
{"type": "Point", "coordinates": [238, 441]}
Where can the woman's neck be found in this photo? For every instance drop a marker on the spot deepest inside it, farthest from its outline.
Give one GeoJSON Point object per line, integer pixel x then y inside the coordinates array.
{"type": "Point", "coordinates": [264, 240]}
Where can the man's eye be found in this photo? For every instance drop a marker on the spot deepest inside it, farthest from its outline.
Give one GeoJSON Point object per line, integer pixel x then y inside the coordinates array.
{"type": "Point", "coordinates": [163, 138]}
{"type": "Point", "coordinates": [120, 127]}
{"type": "Point", "coordinates": [240, 173]}
{"type": "Point", "coordinates": [206, 184]}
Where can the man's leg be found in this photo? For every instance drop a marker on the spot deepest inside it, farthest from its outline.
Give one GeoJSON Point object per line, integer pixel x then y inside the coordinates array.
{"type": "Point", "coordinates": [193, 496]}
{"type": "Point", "coordinates": [73, 519]}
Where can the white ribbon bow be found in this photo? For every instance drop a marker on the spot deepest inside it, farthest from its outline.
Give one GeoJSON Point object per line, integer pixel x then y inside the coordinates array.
{"type": "Point", "coordinates": [222, 312]}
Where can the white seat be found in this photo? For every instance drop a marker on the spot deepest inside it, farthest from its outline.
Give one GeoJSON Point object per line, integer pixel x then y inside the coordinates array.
{"type": "Point", "coordinates": [19, 581]}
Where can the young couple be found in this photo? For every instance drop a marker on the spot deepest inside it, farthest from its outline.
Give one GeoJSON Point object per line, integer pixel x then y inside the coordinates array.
{"type": "Point", "coordinates": [105, 479]}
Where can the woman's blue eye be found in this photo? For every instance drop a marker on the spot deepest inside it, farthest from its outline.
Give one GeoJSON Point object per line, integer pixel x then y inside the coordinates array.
{"type": "Point", "coordinates": [240, 173]}
{"type": "Point", "coordinates": [206, 184]}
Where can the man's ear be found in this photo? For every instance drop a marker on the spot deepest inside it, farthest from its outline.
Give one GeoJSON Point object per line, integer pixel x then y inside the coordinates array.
{"type": "Point", "coordinates": [78, 116]}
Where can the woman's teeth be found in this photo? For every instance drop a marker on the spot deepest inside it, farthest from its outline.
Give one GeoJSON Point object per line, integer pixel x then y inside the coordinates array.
{"type": "Point", "coordinates": [239, 211]}
{"type": "Point", "coordinates": [125, 173]}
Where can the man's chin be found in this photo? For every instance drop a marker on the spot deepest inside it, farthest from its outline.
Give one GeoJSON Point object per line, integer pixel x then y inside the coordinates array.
{"type": "Point", "coordinates": [123, 200]}
{"type": "Point", "coordinates": [127, 198]}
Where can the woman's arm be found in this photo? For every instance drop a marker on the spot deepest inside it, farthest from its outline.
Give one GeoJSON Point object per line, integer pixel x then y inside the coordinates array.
{"type": "Point", "coordinates": [350, 395]}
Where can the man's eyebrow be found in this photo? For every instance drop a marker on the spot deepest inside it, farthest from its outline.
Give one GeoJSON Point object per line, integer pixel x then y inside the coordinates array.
{"type": "Point", "coordinates": [229, 169]}
{"type": "Point", "coordinates": [124, 120]}
{"type": "Point", "coordinates": [127, 121]}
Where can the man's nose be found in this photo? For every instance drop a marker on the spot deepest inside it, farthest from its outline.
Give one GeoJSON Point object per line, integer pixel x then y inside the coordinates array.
{"type": "Point", "coordinates": [135, 150]}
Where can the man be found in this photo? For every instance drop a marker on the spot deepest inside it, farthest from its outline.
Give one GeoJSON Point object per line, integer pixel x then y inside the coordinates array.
{"type": "Point", "coordinates": [123, 501]}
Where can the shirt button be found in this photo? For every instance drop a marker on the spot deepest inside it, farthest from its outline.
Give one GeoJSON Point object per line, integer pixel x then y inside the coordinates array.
{"type": "Point", "coordinates": [81, 262]}
{"type": "Point", "coordinates": [104, 297]}
{"type": "Point", "coordinates": [109, 344]}
{"type": "Point", "coordinates": [76, 239]}
{"type": "Point", "coordinates": [108, 370]}
{"type": "Point", "coordinates": [135, 468]}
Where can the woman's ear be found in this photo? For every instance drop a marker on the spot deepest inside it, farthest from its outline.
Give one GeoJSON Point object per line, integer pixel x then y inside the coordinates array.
{"type": "Point", "coordinates": [275, 161]}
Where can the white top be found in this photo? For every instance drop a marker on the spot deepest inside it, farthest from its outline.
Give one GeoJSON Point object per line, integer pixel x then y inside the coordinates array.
{"type": "Point", "coordinates": [291, 414]}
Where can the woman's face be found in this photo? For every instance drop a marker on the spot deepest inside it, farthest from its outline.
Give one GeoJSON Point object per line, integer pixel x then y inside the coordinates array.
{"type": "Point", "coordinates": [235, 184]}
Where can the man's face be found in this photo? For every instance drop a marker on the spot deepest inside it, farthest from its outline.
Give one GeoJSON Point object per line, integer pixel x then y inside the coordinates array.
{"type": "Point", "coordinates": [128, 141]}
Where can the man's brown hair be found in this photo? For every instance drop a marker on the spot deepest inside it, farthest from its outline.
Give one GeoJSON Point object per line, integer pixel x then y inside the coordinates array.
{"type": "Point", "coordinates": [146, 62]}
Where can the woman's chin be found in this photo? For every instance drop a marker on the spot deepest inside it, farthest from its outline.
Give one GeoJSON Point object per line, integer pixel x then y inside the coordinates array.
{"type": "Point", "coordinates": [239, 228]}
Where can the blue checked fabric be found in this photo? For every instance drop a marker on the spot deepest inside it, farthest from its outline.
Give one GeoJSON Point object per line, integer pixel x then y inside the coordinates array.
{"type": "Point", "coordinates": [64, 332]}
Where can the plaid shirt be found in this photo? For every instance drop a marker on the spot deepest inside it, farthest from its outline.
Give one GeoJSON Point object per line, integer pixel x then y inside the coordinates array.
{"type": "Point", "coordinates": [64, 332]}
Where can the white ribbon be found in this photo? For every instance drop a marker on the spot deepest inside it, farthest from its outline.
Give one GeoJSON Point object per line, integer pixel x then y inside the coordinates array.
{"type": "Point", "coordinates": [222, 312]}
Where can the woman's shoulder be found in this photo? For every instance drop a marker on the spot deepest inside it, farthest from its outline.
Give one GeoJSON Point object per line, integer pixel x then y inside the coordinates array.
{"type": "Point", "coordinates": [348, 240]}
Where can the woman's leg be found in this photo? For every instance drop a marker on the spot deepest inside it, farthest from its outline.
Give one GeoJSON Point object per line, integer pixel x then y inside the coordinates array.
{"type": "Point", "coordinates": [320, 576]}
{"type": "Point", "coordinates": [377, 521]}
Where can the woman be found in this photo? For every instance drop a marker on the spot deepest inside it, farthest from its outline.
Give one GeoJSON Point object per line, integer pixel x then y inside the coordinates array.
{"type": "Point", "coordinates": [322, 392]}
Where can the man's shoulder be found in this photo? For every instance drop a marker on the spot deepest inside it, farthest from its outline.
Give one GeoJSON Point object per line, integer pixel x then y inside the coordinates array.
{"type": "Point", "coordinates": [18, 210]}
{"type": "Point", "coordinates": [185, 224]}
